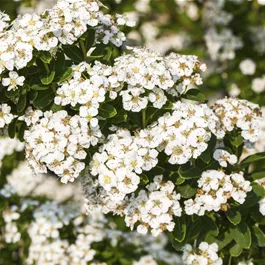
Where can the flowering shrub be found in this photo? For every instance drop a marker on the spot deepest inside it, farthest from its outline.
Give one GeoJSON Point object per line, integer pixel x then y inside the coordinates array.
{"type": "Point", "coordinates": [133, 126]}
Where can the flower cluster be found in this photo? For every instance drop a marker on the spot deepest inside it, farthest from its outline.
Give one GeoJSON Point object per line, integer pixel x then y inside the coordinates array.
{"type": "Point", "coordinates": [239, 114]}
{"type": "Point", "coordinates": [57, 142]}
{"type": "Point", "coordinates": [149, 77]}
{"type": "Point", "coordinates": [62, 24]}
{"type": "Point", "coordinates": [86, 92]}
{"type": "Point", "coordinates": [184, 133]}
{"type": "Point", "coordinates": [215, 189]}
{"type": "Point", "coordinates": [204, 254]}
{"type": "Point", "coordinates": [155, 208]}
{"type": "Point", "coordinates": [119, 162]}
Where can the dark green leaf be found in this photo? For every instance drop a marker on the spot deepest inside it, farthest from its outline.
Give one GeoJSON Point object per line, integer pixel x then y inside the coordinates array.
{"type": "Point", "coordinates": [236, 140]}
{"type": "Point", "coordinates": [64, 75]}
{"type": "Point", "coordinates": [119, 118]}
{"type": "Point", "coordinates": [12, 93]}
{"type": "Point", "coordinates": [260, 236]}
{"type": "Point", "coordinates": [194, 94]}
{"type": "Point", "coordinates": [252, 158]}
{"type": "Point", "coordinates": [21, 132]}
{"type": "Point", "coordinates": [235, 251]}
{"type": "Point", "coordinates": [180, 228]}
{"type": "Point", "coordinates": [186, 191]}
{"type": "Point", "coordinates": [22, 102]}
{"type": "Point", "coordinates": [45, 56]}
{"type": "Point", "coordinates": [259, 174]}
{"type": "Point", "coordinates": [74, 53]}
{"type": "Point", "coordinates": [241, 234]}
{"type": "Point", "coordinates": [39, 87]}
{"type": "Point", "coordinates": [43, 99]}
{"type": "Point", "coordinates": [258, 190]}
{"type": "Point", "coordinates": [47, 78]}
{"type": "Point", "coordinates": [187, 171]}
{"type": "Point", "coordinates": [12, 128]}
{"type": "Point", "coordinates": [107, 111]}
{"type": "Point", "coordinates": [233, 215]}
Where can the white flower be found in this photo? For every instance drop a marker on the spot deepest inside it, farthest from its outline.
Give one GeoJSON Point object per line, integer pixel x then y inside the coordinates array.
{"type": "Point", "coordinates": [13, 81]}
{"type": "Point", "coordinates": [247, 67]}
{"type": "Point", "coordinates": [224, 157]}
{"type": "Point", "coordinates": [258, 84]}
{"type": "Point", "coordinates": [5, 116]}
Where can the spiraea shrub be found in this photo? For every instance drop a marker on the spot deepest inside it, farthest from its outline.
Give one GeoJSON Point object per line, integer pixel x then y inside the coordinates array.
{"type": "Point", "coordinates": [134, 128]}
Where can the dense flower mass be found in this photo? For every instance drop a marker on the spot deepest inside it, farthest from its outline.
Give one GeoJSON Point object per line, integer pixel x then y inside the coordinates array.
{"type": "Point", "coordinates": [184, 133]}
{"type": "Point", "coordinates": [57, 142]}
{"type": "Point", "coordinates": [149, 77]}
{"type": "Point", "coordinates": [62, 24]}
{"type": "Point", "coordinates": [239, 114]}
{"type": "Point", "coordinates": [215, 190]}
{"type": "Point", "coordinates": [155, 208]}
{"type": "Point", "coordinates": [86, 92]}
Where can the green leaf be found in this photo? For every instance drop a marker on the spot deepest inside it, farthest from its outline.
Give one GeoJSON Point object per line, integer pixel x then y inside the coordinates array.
{"type": "Point", "coordinates": [209, 225]}
{"type": "Point", "coordinates": [119, 118]}
{"type": "Point", "coordinates": [180, 228]}
{"type": "Point", "coordinates": [39, 87]}
{"type": "Point", "coordinates": [187, 171]}
{"type": "Point", "coordinates": [179, 181]}
{"type": "Point", "coordinates": [241, 234]}
{"type": "Point", "coordinates": [107, 111]}
{"type": "Point", "coordinates": [194, 94]}
{"type": "Point", "coordinates": [47, 78]}
{"type": "Point", "coordinates": [22, 102]}
{"type": "Point", "coordinates": [21, 132]}
{"type": "Point", "coordinates": [186, 191]}
{"type": "Point", "coordinates": [252, 158]}
{"type": "Point", "coordinates": [236, 140]}
{"type": "Point", "coordinates": [260, 236]}
{"type": "Point", "coordinates": [33, 94]}
{"type": "Point", "coordinates": [64, 75]}
{"type": "Point", "coordinates": [12, 128]}
{"type": "Point", "coordinates": [74, 53]}
{"type": "Point", "coordinates": [235, 251]}
{"type": "Point", "coordinates": [233, 215]}
{"type": "Point", "coordinates": [45, 56]}
{"type": "Point", "coordinates": [258, 189]}
{"type": "Point", "coordinates": [136, 118]}
{"type": "Point", "coordinates": [12, 93]}
{"type": "Point", "coordinates": [90, 38]}
{"type": "Point", "coordinates": [108, 54]}
{"type": "Point", "coordinates": [259, 174]}
{"type": "Point", "coordinates": [43, 99]}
